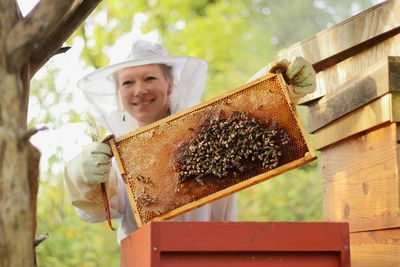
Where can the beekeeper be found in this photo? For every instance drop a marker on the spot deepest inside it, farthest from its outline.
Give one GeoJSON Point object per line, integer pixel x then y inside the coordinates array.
{"type": "Point", "coordinates": [148, 86]}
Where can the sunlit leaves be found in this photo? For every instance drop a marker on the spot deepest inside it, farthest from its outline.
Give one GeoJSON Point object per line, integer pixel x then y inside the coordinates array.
{"type": "Point", "coordinates": [293, 196]}
{"type": "Point", "coordinates": [49, 104]}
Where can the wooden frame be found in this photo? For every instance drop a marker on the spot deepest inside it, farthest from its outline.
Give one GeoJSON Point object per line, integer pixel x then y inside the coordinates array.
{"type": "Point", "coordinates": [307, 157]}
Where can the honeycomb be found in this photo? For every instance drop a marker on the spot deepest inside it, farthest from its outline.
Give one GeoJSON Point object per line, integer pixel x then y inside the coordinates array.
{"type": "Point", "coordinates": [147, 158]}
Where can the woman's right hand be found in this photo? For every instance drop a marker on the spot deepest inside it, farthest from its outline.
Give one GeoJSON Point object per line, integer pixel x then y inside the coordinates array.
{"type": "Point", "coordinates": [95, 163]}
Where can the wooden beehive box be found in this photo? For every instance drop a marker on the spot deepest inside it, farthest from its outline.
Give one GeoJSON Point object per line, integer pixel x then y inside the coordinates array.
{"type": "Point", "coordinates": [211, 150]}
{"type": "Point", "coordinates": [237, 244]}
{"type": "Point", "coordinates": [354, 116]}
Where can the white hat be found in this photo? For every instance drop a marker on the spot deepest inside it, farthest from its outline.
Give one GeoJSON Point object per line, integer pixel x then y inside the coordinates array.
{"type": "Point", "coordinates": [189, 76]}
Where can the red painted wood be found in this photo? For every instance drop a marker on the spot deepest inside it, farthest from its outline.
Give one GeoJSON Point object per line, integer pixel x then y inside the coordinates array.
{"type": "Point", "coordinates": [135, 249]}
{"type": "Point", "coordinates": [237, 244]}
{"type": "Point", "coordinates": [249, 259]}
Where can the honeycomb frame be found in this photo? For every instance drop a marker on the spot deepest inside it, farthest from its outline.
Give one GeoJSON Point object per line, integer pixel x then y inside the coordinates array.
{"type": "Point", "coordinates": [145, 157]}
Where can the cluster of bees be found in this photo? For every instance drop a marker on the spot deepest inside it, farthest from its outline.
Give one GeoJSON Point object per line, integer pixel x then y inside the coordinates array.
{"type": "Point", "coordinates": [225, 146]}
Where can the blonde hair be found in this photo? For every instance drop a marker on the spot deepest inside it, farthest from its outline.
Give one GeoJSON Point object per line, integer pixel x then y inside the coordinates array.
{"type": "Point", "coordinates": [166, 70]}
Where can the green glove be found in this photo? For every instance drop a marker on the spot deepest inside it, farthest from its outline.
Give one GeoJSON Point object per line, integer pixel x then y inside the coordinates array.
{"type": "Point", "coordinates": [302, 76]}
{"type": "Point", "coordinates": [95, 163]}
{"type": "Point", "coordinates": [299, 74]}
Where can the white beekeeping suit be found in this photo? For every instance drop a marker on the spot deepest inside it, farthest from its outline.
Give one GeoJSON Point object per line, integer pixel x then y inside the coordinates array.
{"type": "Point", "coordinates": [189, 75]}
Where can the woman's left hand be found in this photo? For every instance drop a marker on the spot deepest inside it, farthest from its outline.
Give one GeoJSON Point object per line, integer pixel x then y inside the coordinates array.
{"type": "Point", "coordinates": [298, 73]}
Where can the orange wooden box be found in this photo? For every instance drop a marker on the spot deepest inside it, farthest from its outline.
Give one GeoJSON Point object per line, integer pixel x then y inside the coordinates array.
{"type": "Point", "coordinates": [237, 244]}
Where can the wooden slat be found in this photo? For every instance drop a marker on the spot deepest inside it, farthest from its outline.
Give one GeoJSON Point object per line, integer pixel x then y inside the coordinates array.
{"type": "Point", "coordinates": [395, 108]}
{"type": "Point", "coordinates": [375, 248]}
{"type": "Point", "coordinates": [237, 244]}
{"type": "Point", "coordinates": [362, 119]}
{"type": "Point", "coordinates": [332, 79]}
{"type": "Point", "coordinates": [361, 180]}
{"type": "Point", "coordinates": [374, 32]}
{"type": "Point", "coordinates": [137, 249]}
{"type": "Point", "coordinates": [380, 111]}
{"type": "Point", "coordinates": [394, 73]}
{"type": "Point", "coordinates": [383, 77]}
{"type": "Point", "coordinates": [371, 23]}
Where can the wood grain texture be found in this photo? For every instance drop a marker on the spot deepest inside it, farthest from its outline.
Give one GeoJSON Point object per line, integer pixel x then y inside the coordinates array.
{"type": "Point", "coordinates": [217, 244]}
{"type": "Point", "coordinates": [361, 180]}
{"type": "Point", "coordinates": [51, 44]}
{"type": "Point", "coordinates": [394, 73]}
{"type": "Point", "coordinates": [28, 32]}
{"type": "Point", "coordinates": [331, 79]}
{"type": "Point", "coordinates": [381, 78]}
{"type": "Point", "coordinates": [376, 113]}
{"type": "Point", "coordinates": [375, 248]}
{"type": "Point", "coordinates": [369, 24]}
{"type": "Point", "coordinates": [348, 49]}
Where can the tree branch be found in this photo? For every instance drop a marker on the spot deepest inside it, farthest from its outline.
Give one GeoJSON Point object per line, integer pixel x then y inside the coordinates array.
{"type": "Point", "coordinates": [27, 34]}
{"type": "Point", "coordinates": [9, 16]}
{"type": "Point", "coordinates": [40, 239]}
{"type": "Point", "coordinates": [55, 40]}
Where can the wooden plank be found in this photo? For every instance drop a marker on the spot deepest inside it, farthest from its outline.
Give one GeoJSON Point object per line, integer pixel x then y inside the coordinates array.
{"type": "Point", "coordinates": [367, 25]}
{"type": "Point", "coordinates": [381, 78]}
{"type": "Point", "coordinates": [395, 108]}
{"type": "Point", "coordinates": [249, 259]}
{"type": "Point", "coordinates": [238, 244]}
{"type": "Point", "coordinates": [362, 119]}
{"type": "Point", "coordinates": [137, 250]}
{"type": "Point", "coordinates": [361, 180]}
{"type": "Point", "coordinates": [333, 78]}
{"type": "Point", "coordinates": [357, 51]}
{"type": "Point", "coordinates": [394, 73]}
{"type": "Point", "coordinates": [375, 248]}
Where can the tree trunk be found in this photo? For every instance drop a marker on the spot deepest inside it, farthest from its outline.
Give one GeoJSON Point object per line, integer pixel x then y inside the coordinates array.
{"type": "Point", "coordinates": [25, 42]}
{"type": "Point", "coordinates": [16, 211]}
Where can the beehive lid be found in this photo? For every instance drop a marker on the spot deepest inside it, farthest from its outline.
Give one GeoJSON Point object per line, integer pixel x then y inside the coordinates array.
{"type": "Point", "coordinates": [211, 150]}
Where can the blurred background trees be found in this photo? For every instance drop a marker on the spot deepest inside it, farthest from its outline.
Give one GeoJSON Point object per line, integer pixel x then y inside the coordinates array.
{"type": "Point", "coordinates": [236, 38]}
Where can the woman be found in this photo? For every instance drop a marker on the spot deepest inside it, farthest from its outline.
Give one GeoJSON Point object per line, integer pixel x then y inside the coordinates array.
{"type": "Point", "coordinates": [148, 86]}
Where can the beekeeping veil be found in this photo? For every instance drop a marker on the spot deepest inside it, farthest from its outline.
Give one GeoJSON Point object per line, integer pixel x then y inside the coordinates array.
{"type": "Point", "coordinates": [100, 91]}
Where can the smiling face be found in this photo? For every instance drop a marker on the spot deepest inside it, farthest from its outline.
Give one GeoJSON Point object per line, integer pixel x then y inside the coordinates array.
{"type": "Point", "coordinates": [144, 92]}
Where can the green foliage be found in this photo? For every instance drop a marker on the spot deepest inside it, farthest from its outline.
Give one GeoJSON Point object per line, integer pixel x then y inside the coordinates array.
{"type": "Point", "coordinates": [43, 94]}
{"type": "Point", "coordinates": [71, 241]}
{"type": "Point", "coordinates": [293, 196]}
{"type": "Point", "coordinates": [236, 38]}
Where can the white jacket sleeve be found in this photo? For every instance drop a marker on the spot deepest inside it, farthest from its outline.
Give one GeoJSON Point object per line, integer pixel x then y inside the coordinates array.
{"type": "Point", "coordinates": [87, 198]}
